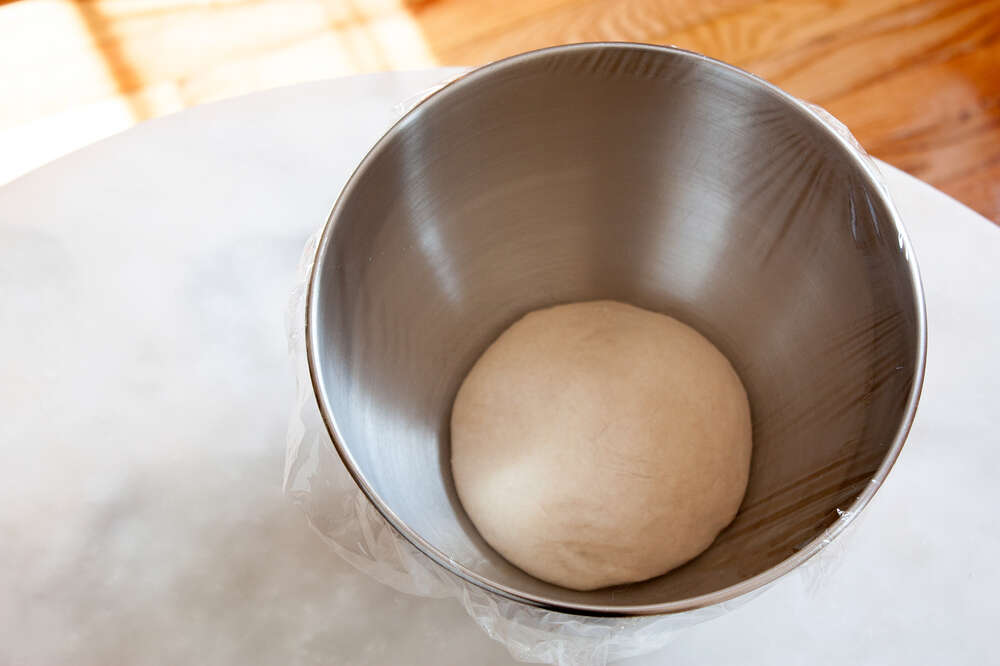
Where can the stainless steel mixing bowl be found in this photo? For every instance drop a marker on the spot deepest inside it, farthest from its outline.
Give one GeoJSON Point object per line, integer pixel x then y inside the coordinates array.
{"type": "Point", "coordinates": [644, 174]}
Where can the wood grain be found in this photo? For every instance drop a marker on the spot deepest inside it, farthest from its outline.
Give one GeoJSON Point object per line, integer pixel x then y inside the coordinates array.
{"type": "Point", "coordinates": [917, 81]}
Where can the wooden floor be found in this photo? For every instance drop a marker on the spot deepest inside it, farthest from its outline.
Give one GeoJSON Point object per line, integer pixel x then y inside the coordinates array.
{"type": "Point", "coordinates": [918, 81]}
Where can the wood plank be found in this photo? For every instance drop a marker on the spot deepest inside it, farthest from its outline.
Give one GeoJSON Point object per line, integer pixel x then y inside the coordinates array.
{"type": "Point", "coordinates": [929, 31]}
{"type": "Point", "coordinates": [43, 76]}
{"type": "Point", "coordinates": [940, 127]}
{"type": "Point", "coordinates": [748, 37]}
{"type": "Point", "coordinates": [587, 20]}
{"type": "Point", "coordinates": [914, 79]}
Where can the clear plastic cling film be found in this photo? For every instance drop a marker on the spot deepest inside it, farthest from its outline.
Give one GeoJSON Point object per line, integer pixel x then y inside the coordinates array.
{"type": "Point", "coordinates": [316, 479]}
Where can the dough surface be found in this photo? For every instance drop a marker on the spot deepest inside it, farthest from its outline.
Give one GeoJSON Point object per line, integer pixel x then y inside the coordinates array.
{"type": "Point", "coordinates": [597, 443]}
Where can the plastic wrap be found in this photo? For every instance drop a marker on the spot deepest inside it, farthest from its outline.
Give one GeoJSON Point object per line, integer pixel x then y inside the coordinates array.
{"type": "Point", "coordinates": [316, 479]}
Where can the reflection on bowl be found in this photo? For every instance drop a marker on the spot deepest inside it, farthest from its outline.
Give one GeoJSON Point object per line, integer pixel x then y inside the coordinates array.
{"type": "Point", "coordinates": [643, 174]}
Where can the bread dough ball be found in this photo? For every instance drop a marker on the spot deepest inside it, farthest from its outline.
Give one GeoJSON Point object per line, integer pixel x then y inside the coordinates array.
{"type": "Point", "coordinates": [596, 444]}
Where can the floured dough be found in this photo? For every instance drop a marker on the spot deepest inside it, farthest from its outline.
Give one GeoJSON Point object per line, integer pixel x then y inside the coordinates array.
{"type": "Point", "coordinates": [597, 443]}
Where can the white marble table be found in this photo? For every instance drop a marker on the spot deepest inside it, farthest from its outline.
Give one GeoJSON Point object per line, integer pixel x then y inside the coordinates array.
{"type": "Point", "coordinates": [146, 387]}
